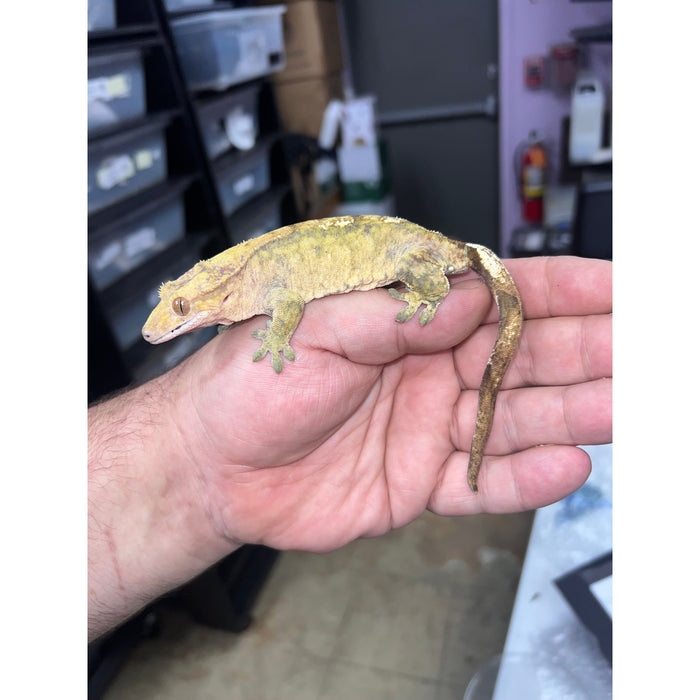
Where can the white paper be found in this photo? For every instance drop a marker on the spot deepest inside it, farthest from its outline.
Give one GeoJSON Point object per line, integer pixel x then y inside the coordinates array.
{"type": "Point", "coordinates": [602, 590]}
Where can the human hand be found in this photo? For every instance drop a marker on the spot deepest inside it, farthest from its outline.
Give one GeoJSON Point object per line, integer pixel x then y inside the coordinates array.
{"type": "Point", "coordinates": [372, 423]}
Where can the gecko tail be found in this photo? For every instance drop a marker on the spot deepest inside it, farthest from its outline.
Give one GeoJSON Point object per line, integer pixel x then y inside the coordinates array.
{"type": "Point", "coordinates": [510, 320]}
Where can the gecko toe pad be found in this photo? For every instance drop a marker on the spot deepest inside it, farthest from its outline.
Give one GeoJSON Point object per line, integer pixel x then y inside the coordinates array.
{"type": "Point", "coordinates": [414, 300]}
{"type": "Point", "coordinates": [274, 346]}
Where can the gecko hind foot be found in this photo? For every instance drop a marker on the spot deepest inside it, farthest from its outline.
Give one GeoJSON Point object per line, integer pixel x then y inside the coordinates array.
{"type": "Point", "coordinates": [414, 300]}
{"type": "Point", "coordinates": [274, 346]}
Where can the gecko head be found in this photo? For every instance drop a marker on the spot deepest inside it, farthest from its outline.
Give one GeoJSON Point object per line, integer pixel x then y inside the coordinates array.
{"type": "Point", "coordinates": [186, 304]}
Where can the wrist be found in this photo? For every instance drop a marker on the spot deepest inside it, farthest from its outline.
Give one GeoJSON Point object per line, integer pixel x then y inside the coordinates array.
{"type": "Point", "coordinates": [149, 528]}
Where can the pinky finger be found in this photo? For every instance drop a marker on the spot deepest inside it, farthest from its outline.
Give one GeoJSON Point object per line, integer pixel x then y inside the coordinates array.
{"type": "Point", "coordinates": [517, 482]}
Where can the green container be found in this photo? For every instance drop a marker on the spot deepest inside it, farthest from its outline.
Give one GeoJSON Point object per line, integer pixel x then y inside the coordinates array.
{"type": "Point", "coordinates": [365, 191]}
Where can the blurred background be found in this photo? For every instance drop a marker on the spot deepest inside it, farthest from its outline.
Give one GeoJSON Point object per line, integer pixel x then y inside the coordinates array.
{"type": "Point", "coordinates": [211, 122]}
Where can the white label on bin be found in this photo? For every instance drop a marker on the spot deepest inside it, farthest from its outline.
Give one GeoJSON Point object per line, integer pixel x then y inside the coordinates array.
{"type": "Point", "coordinates": [244, 184]}
{"type": "Point", "coordinates": [254, 53]}
{"type": "Point", "coordinates": [143, 239]}
{"type": "Point", "coordinates": [119, 85]}
{"type": "Point", "coordinates": [115, 171]}
{"type": "Point", "coordinates": [107, 88]}
{"type": "Point", "coordinates": [108, 255]}
{"type": "Point", "coordinates": [97, 89]}
{"type": "Point", "coordinates": [144, 159]}
{"type": "Point", "coordinates": [240, 129]}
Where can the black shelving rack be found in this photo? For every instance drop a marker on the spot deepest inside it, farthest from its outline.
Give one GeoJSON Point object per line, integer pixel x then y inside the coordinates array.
{"type": "Point", "coordinates": [222, 596]}
{"type": "Point", "coordinates": [139, 30]}
{"type": "Point", "coordinates": [192, 172]}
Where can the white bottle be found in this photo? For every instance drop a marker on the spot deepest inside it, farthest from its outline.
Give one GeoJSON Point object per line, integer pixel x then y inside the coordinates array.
{"type": "Point", "coordinates": [587, 110]}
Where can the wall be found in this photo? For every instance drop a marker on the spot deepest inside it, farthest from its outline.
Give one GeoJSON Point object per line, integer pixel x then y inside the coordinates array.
{"type": "Point", "coordinates": [530, 27]}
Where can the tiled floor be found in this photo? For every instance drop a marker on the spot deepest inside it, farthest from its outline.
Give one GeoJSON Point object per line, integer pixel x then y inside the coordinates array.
{"type": "Point", "coordinates": [412, 614]}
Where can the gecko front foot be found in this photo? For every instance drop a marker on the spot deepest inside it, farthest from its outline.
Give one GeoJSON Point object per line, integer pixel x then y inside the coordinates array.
{"type": "Point", "coordinates": [274, 345]}
{"type": "Point", "coordinates": [413, 301]}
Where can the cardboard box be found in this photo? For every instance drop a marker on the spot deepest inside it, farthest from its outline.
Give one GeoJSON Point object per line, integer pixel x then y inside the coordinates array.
{"type": "Point", "coordinates": [311, 40]}
{"type": "Point", "coordinates": [302, 103]}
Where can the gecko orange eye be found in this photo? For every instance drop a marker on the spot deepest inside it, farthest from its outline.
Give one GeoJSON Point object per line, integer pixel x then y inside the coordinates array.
{"type": "Point", "coordinates": [181, 306]}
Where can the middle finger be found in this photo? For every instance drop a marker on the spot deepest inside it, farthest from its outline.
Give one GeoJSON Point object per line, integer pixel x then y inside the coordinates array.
{"type": "Point", "coordinates": [552, 352]}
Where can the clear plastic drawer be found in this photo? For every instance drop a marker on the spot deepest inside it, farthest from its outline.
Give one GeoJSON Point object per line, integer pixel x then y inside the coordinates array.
{"type": "Point", "coordinates": [220, 49]}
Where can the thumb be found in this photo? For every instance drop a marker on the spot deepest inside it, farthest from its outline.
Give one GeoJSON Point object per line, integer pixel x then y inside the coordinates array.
{"type": "Point", "coordinates": [362, 326]}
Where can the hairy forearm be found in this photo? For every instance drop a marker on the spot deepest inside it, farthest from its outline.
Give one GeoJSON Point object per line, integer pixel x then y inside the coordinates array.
{"type": "Point", "coordinates": [148, 524]}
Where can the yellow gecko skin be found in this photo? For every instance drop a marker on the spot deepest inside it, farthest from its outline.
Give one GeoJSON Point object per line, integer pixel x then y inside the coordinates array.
{"type": "Point", "coordinates": [278, 273]}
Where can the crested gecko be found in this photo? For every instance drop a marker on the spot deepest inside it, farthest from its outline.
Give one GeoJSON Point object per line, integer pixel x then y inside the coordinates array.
{"type": "Point", "coordinates": [279, 272]}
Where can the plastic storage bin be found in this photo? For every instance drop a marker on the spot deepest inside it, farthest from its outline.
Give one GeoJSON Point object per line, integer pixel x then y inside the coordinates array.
{"type": "Point", "coordinates": [129, 313]}
{"type": "Point", "coordinates": [119, 166]}
{"type": "Point", "coordinates": [137, 237]}
{"type": "Point", "coordinates": [259, 217]}
{"type": "Point", "coordinates": [220, 49]}
{"type": "Point", "coordinates": [231, 122]}
{"type": "Point", "coordinates": [179, 5]}
{"type": "Point", "coordinates": [101, 15]}
{"type": "Point", "coordinates": [241, 179]}
{"type": "Point", "coordinates": [115, 89]}
{"type": "Point", "coordinates": [267, 220]}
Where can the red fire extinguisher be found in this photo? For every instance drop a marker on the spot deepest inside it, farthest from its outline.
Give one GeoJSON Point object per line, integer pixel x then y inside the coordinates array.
{"type": "Point", "coordinates": [531, 163]}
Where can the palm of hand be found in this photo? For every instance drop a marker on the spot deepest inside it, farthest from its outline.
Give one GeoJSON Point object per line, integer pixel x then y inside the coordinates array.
{"type": "Point", "coordinates": [372, 424]}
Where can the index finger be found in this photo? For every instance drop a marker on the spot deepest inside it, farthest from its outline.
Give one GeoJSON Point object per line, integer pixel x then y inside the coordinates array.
{"type": "Point", "coordinates": [559, 286]}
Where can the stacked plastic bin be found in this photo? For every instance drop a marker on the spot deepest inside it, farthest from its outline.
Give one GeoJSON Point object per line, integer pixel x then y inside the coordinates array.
{"type": "Point", "coordinates": [225, 55]}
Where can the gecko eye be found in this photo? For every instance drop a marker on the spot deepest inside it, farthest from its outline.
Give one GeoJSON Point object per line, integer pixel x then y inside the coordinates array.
{"type": "Point", "coordinates": [181, 306]}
